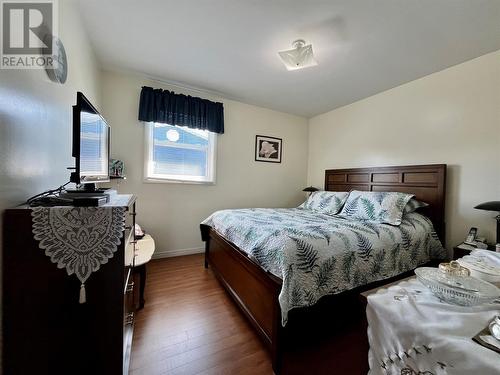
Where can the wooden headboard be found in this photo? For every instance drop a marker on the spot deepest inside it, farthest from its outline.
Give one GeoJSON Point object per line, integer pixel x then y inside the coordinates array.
{"type": "Point", "coordinates": [427, 182]}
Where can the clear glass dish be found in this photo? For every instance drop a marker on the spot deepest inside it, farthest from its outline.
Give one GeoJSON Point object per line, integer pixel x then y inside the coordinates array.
{"type": "Point", "coordinates": [457, 290]}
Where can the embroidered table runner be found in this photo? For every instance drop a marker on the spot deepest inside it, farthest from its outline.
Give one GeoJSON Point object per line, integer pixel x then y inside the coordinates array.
{"type": "Point", "coordinates": [79, 239]}
{"type": "Point", "coordinates": [411, 332]}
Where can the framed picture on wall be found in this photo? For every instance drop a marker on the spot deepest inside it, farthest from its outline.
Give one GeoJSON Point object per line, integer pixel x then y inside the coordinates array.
{"type": "Point", "coordinates": [268, 149]}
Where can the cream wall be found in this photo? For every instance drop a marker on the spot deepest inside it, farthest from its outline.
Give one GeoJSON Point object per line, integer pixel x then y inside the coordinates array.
{"type": "Point", "coordinates": [36, 117]}
{"type": "Point", "coordinates": [172, 212]}
{"type": "Point", "coordinates": [451, 117]}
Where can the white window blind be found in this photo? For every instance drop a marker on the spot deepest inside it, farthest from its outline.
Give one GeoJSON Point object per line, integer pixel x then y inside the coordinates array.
{"type": "Point", "coordinates": [177, 153]}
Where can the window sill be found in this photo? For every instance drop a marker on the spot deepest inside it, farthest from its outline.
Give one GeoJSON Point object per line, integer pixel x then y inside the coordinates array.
{"type": "Point", "coordinates": [167, 181]}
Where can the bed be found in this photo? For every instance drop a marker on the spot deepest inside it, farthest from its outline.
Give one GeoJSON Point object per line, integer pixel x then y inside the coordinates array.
{"type": "Point", "coordinates": [278, 309]}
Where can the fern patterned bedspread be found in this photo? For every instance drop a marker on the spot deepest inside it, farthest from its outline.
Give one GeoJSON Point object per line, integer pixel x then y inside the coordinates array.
{"type": "Point", "coordinates": [317, 254]}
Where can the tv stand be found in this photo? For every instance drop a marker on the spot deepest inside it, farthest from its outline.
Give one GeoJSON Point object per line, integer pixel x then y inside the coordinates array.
{"type": "Point", "coordinates": [91, 188]}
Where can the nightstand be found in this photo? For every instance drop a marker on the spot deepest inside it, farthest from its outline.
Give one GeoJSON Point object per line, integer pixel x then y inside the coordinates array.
{"type": "Point", "coordinates": [459, 253]}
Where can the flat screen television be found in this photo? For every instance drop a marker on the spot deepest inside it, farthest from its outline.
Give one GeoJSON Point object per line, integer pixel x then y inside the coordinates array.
{"type": "Point", "coordinates": [90, 145]}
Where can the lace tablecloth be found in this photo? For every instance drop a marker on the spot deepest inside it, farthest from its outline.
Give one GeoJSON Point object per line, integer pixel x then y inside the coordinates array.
{"type": "Point", "coordinates": [79, 239]}
{"type": "Point", "coordinates": [412, 332]}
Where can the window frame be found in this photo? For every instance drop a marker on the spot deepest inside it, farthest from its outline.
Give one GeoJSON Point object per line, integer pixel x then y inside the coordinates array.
{"type": "Point", "coordinates": [148, 160]}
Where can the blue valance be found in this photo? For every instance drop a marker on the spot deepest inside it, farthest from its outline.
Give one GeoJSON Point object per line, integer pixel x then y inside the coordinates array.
{"type": "Point", "coordinates": [167, 107]}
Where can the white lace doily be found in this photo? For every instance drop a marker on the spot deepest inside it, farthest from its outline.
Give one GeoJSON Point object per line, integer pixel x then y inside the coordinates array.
{"type": "Point", "coordinates": [79, 239]}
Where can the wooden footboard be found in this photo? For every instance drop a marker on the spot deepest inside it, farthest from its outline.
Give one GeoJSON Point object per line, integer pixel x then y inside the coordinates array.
{"type": "Point", "coordinates": [253, 289]}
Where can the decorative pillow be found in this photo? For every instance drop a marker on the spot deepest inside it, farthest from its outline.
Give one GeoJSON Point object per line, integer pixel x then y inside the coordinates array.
{"type": "Point", "coordinates": [326, 202]}
{"type": "Point", "coordinates": [381, 207]}
{"type": "Point", "coordinates": [413, 205]}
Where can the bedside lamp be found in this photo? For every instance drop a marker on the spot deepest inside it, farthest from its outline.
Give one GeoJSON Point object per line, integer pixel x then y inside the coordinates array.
{"type": "Point", "coordinates": [310, 189]}
{"type": "Point", "coordinates": [492, 206]}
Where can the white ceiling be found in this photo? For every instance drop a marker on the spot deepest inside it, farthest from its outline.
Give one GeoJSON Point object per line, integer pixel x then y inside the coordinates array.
{"type": "Point", "coordinates": [230, 46]}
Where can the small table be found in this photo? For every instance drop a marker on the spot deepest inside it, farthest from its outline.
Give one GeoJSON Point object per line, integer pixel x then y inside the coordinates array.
{"type": "Point", "coordinates": [411, 330]}
{"type": "Point", "coordinates": [459, 252]}
{"type": "Point", "coordinates": [144, 250]}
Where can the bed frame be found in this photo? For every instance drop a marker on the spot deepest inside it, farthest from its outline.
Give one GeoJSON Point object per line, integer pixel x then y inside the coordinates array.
{"type": "Point", "coordinates": [256, 291]}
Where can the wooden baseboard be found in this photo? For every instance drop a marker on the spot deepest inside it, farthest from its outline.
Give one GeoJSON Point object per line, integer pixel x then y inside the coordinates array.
{"type": "Point", "coordinates": [177, 253]}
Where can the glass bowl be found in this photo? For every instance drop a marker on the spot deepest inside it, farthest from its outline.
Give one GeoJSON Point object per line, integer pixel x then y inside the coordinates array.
{"type": "Point", "coordinates": [457, 290]}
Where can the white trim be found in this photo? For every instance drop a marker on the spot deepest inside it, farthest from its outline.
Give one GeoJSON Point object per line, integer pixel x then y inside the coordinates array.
{"type": "Point", "coordinates": [168, 181]}
{"type": "Point", "coordinates": [214, 94]}
{"type": "Point", "coordinates": [177, 253]}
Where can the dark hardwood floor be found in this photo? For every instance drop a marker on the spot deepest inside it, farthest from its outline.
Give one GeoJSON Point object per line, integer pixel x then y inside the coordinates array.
{"type": "Point", "coordinates": [190, 325]}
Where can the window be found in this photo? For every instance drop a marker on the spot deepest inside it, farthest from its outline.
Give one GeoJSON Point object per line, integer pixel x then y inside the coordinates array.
{"type": "Point", "coordinates": [178, 153]}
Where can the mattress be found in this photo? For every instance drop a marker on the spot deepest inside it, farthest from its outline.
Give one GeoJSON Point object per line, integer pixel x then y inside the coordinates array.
{"type": "Point", "coordinates": [317, 254]}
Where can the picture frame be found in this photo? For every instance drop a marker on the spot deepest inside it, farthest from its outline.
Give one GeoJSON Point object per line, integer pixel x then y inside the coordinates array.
{"type": "Point", "coordinates": [268, 149]}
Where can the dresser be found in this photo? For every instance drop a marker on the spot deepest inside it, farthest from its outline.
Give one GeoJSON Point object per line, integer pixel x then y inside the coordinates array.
{"type": "Point", "coordinates": [46, 330]}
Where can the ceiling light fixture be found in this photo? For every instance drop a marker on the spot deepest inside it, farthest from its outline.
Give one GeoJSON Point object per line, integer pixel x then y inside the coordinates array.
{"type": "Point", "coordinates": [299, 57]}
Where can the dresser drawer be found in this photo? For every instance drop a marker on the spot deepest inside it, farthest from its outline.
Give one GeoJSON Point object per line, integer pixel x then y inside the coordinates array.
{"type": "Point", "coordinates": [129, 236]}
{"type": "Point", "coordinates": [130, 218]}
{"type": "Point", "coordinates": [128, 299]}
{"type": "Point", "coordinates": [128, 318]}
{"type": "Point", "coordinates": [129, 250]}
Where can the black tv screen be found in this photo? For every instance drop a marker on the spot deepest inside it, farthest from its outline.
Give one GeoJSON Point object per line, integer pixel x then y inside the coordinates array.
{"type": "Point", "coordinates": [90, 143]}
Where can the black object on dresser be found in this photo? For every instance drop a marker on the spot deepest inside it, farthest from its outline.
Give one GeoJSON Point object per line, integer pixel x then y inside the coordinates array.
{"type": "Point", "coordinates": [45, 328]}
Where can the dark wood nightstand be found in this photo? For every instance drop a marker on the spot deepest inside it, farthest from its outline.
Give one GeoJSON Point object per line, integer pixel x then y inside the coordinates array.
{"type": "Point", "coordinates": [458, 252]}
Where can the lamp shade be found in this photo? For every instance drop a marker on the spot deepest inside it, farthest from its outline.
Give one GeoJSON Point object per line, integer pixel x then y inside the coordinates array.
{"type": "Point", "coordinates": [310, 189]}
{"type": "Point", "coordinates": [489, 206]}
